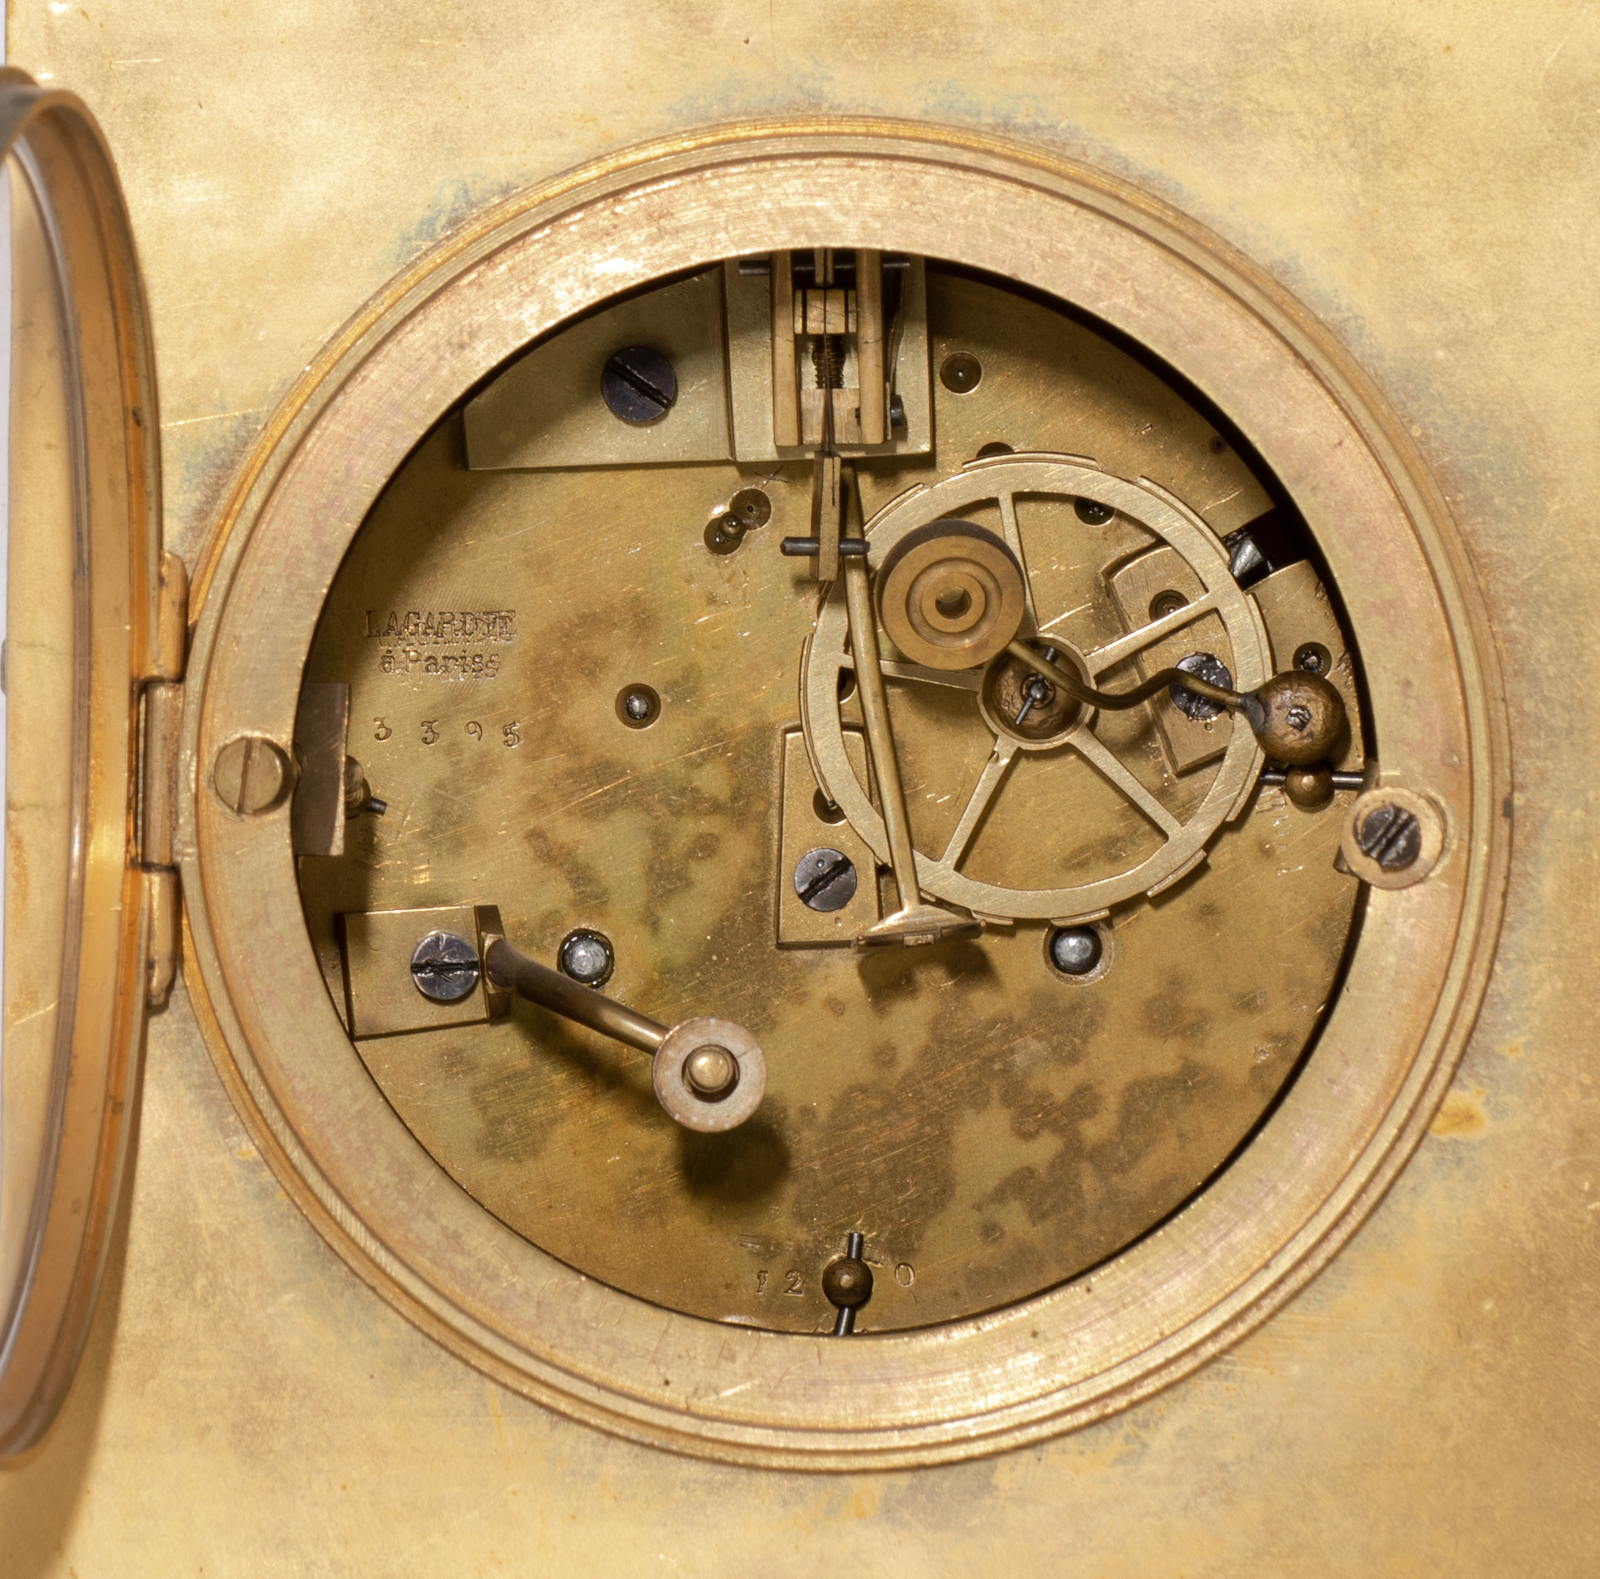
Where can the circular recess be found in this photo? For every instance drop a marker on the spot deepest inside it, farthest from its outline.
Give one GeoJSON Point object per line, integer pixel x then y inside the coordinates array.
{"type": "Point", "coordinates": [1412, 981]}
{"type": "Point", "coordinates": [961, 373]}
{"type": "Point", "coordinates": [638, 705]}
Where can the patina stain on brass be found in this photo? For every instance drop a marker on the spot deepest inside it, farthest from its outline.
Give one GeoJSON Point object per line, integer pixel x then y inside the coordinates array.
{"type": "Point", "coordinates": [991, 1128]}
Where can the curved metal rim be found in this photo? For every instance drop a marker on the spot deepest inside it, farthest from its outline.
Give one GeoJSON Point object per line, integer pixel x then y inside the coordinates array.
{"type": "Point", "coordinates": [103, 1015]}
{"type": "Point", "coordinates": [1240, 1249]}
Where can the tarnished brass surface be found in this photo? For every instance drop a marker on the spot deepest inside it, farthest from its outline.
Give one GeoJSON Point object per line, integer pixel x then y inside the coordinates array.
{"type": "Point", "coordinates": [542, 411]}
{"type": "Point", "coordinates": [1241, 1247]}
{"type": "Point", "coordinates": [808, 823]}
{"type": "Point", "coordinates": [84, 599]}
{"type": "Point", "coordinates": [989, 1128]}
{"type": "Point", "coordinates": [1424, 179]}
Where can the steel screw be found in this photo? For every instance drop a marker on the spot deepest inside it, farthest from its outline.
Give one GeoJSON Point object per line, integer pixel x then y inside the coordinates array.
{"type": "Point", "coordinates": [1391, 836]}
{"type": "Point", "coordinates": [1208, 667]}
{"type": "Point", "coordinates": [639, 385]}
{"type": "Point", "coordinates": [825, 880]}
{"type": "Point", "coordinates": [638, 706]}
{"type": "Point", "coordinates": [1075, 951]}
{"type": "Point", "coordinates": [444, 967]}
{"type": "Point", "coordinates": [587, 957]}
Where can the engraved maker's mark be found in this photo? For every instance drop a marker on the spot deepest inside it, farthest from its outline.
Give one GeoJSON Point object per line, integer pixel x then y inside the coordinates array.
{"type": "Point", "coordinates": [412, 641]}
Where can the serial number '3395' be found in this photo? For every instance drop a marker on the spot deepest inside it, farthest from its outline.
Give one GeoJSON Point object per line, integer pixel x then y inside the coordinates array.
{"type": "Point", "coordinates": [432, 731]}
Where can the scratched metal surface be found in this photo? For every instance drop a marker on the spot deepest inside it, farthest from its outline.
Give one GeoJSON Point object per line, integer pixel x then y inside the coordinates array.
{"type": "Point", "coordinates": [992, 1129]}
{"type": "Point", "coordinates": [1425, 181]}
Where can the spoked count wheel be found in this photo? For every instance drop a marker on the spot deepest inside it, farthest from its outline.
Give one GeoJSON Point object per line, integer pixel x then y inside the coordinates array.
{"type": "Point", "coordinates": [948, 584]}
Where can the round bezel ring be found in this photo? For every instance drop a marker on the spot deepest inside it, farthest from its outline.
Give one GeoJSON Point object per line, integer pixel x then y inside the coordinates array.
{"type": "Point", "coordinates": [1415, 976]}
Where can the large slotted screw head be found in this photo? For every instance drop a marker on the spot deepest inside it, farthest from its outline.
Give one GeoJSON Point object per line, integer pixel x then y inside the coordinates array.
{"type": "Point", "coordinates": [1391, 836]}
{"type": "Point", "coordinates": [444, 967]}
{"type": "Point", "coordinates": [825, 880]}
{"type": "Point", "coordinates": [639, 384]}
{"type": "Point", "coordinates": [252, 775]}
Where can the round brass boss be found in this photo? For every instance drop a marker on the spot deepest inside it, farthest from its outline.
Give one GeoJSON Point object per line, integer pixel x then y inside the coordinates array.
{"type": "Point", "coordinates": [950, 595]}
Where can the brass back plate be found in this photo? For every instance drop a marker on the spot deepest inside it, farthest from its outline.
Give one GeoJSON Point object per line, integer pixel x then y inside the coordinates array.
{"type": "Point", "coordinates": [1384, 1056]}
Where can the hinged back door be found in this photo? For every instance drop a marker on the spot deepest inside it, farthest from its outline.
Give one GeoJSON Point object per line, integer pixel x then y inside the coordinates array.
{"type": "Point", "coordinates": [84, 634]}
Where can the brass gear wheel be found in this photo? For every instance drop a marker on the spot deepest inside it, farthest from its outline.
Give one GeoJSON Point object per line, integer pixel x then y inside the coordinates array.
{"type": "Point", "coordinates": [1001, 481]}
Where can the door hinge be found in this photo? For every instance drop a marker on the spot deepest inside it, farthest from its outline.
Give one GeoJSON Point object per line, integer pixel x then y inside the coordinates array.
{"type": "Point", "coordinates": [161, 721]}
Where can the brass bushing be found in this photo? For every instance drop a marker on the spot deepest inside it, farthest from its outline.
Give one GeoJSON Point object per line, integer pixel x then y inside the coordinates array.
{"type": "Point", "coordinates": [950, 595]}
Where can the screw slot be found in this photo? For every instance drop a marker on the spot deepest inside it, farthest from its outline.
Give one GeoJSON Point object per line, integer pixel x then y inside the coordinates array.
{"type": "Point", "coordinates": [639, 385]}
{"type": "Point", "coordinates": [251, 776]}
{"type": "Point", "coordinates": [825, 880]}
{"type": "Point", "coordinates": [444, 967]}
{"type": "Point", "coordinates": [1391, 836]}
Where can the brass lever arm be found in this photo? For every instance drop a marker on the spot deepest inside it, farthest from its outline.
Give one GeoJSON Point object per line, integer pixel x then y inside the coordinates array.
{"type": "Point", "coordinates": [709, 1074]}
{"type": "Point", "coordinates": [1298, 718]}
{"type": "Point", "coordinates": [510, 967]}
